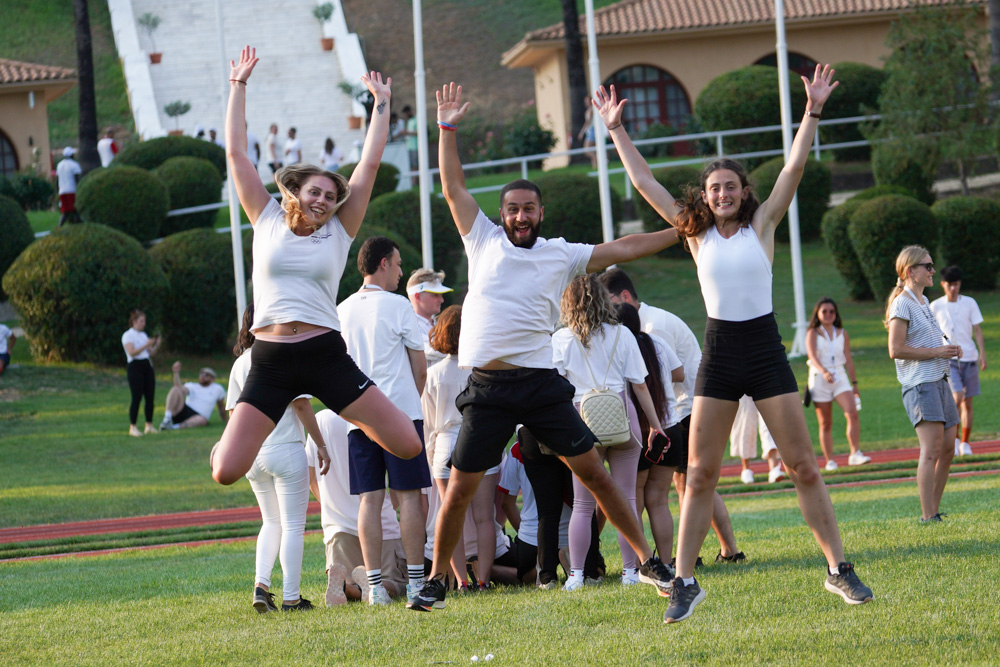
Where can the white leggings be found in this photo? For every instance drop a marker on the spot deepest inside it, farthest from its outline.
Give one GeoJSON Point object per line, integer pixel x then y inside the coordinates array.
{"type": "Point", "coordinates": [279, 478]}
{"type": "Point", "coordinates": [746, 426]}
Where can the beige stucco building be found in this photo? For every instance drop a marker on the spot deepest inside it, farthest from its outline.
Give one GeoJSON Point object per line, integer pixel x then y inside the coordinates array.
{"type": "Point", "coordinates": [25, 92]}
{"type": "Point", "coordinates": [661, 53]}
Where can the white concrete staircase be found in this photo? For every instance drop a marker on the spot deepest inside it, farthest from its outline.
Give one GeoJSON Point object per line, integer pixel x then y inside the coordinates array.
{"type": "Point", "coordinates": [294, 85]}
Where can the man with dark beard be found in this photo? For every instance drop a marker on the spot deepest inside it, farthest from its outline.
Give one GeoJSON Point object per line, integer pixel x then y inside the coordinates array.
{"type": "Point", "coordinates": [516, 279]}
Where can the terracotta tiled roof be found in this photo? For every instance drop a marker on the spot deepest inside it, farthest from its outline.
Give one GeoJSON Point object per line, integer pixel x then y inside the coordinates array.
{"type": "Point", "coordinates": [631, 17]}
{"type": "Point", "coordinates": [13, 71]}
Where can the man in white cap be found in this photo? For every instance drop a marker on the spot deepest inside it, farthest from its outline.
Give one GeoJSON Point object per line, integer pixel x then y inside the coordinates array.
{"type": "Point", "coordinates": [190, 404]}
{"type": "Point", "coordinates": [425, 290]}
{"type": "Point", "coordinates": [68, 172]}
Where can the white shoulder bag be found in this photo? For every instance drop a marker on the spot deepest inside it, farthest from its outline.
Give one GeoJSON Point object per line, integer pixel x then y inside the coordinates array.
{"type": "Point", "coordinates": [603, 410]}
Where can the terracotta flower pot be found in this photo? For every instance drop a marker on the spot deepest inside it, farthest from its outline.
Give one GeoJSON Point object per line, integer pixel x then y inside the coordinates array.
{"type": "Point", "coordinates": [175, 133]}
{"type": "Point", "coordinates": [327, 43]}
{"type": "Point", "coordinates": [354, 122]}
{"type": "Point", "coordinates": [155, 58]}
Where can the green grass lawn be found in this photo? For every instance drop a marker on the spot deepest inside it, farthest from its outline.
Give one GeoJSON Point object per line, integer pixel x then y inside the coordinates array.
{"type": "Point", "coordinates": [192, 605]}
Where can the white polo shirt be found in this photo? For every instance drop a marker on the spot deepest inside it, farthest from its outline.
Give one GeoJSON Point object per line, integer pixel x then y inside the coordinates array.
{"type": "Point", "coordinates": [288, 429]}
{"type": "Point", "coordinates": [676, 334]}
{"type": "Point", "coordinates": [203, 399]}
{"type": "Point", "coordinates": [627, 365]}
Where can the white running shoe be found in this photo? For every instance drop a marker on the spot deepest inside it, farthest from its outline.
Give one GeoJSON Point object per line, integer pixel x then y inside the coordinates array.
{"type": "Point", "coordinates": [831, 465]}
{"type": "Point", "coordinates": [858, 458]}
{"type": "Point", "coordinates": [965, 449]}
{"type": "Point", "coordinates": [630, 577]}
{"type": "Point", "coordinates": [573, 584]}
{"type": "Point", "coordinates": [747, 476]}
{"type": "Point", "coordinates": [378, 595]}
{"type": "Point", "coordinates": [958, 446]}
{"type": "Point", "coordinates": [776, 474]}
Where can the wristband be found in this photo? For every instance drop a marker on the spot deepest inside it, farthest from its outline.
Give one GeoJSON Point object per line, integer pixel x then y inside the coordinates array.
{"type": "Point", "coordinates": [814, 114]}
{"type": "Point", "coordinates": [238, 81]}
{"type": "Point", "coordinates": [447, 126]}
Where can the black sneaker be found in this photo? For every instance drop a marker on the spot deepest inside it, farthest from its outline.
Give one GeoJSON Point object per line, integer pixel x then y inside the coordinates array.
{"type": "Point", "coordinates": [937, 518]}
{"type": "Point", "coordinates": [302, 605]}
{"type": "Point", "coordinates": [697, 564]}
{"type": "Point", "coordinates": [737, 557]}
{"type": "Point", "coordinates": [263, 601]}
{"type": "Point", "coordinates": [683, 600]}
{"type": "Point", "coordinates": [655, 572]}
{"type": "Point", "coordinates": [431, 595]}
{"type": "Point", "coordinates": [848, 586]}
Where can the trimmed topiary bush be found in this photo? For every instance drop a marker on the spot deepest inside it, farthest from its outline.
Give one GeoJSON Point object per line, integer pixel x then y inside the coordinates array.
{"type": "Point", "coordinates": [573, 207]}
{"type": "Point", "coordinates": [969, 238]}
{"type": "Point", "coordinates": [386, 178]}
{"type": "Point", "coordinates": [857, 94]}
{"type": "Point", "coordinates": [30, 191]}
{"type": "Point", "coordinates": [676, 180]}
{"type": "Point", "coordinates": [879, 190]}
{"type": "Point", "coordinates": [835, 236]}
{"type": "Point", "coordinates": [813, 191]}
{"type": "Point", "coordinates": [191, 181]}
{"type": "Point", "coordinates": [126, 198]}
{"type": "Point", "coordinates": [914, 175]}
{"type": "Point", "coordinates": [15, 230]}
{"type": "Point", "coordinates": [198, 313]}
{"type": "Point", "coordinates": [411, 257]}
{"type": "Point", "coordinates": [743, 98]}
{"type": "Point", "coordinates": [152, 153]}
{"type": "Point", "coordinates": [75, 287]}
{"type": "Point", "coordinates": [880, 228]}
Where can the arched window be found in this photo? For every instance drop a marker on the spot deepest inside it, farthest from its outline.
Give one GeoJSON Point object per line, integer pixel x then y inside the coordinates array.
{"type": "Point", "coordinates": [798, 63]}
{"type": "Point", "coordinates": [654, 96]}
{"type": "Point", "coordinates": [8, 156]}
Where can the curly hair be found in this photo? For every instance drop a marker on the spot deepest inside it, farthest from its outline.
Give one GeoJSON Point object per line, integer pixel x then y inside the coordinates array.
{"type": "Point", "coordinates": [444, 334]}
{"type": "Point", "coordinates": [245, 339]}
{"type": "Point", "coordinates": [695, 216]}
{"type": "Point", "coordinates": [586, 306]}
{"type": "Point", "coordinates": [290, 180]}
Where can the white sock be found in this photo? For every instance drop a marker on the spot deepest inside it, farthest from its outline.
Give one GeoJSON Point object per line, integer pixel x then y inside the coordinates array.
{"type": "Point", "coordinates": [835, 570]}
{"type": "Point", "coordinates": [576, 574]}
{"type": "Point", "coordinates": [374, 577]}
{"type": "Point", "coordinates": [167, 414]}
{"type": "Point", "coordinates": [687, 580]}
{"type": "Point", "coordinates": [416, 574]}
{"type": "Point", "coordinates": [630, 570]}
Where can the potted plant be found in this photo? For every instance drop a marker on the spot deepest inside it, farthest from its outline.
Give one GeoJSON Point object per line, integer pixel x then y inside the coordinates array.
{"type": "Point", "coordinates": [323, 13]}
{"type": "Point", "coordinates": [175, 110]}
{"type": "Point", "coordinates": [150, 22]}
{"type": "Point", "coordinates": [362, 96]}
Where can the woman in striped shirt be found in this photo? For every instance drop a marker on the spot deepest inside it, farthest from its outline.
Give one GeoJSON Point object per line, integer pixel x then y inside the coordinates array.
{"type": "Point", "coordinates": [915, 343]}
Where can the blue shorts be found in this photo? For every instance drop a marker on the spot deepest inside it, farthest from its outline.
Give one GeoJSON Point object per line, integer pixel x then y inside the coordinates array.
{"type": "Point", "coordinates": [963, 376]}
{"type": "Point", "coordinates": [931, 402]}
{"type": "Point", "coordinates": [368, 465]}
{"type": "Point", "coordinates": [5, 358]}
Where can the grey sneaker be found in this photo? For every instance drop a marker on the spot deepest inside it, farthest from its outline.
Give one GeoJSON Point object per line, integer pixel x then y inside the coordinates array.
{"type": "Point", "coordinates": [263, 601]}
{"type": "Point", "coordinates": [655, 572]}
{"type": "Point", "coordinates": [848, 586]}
{"type": "Point", "coordinates": [166, 424]}
{"type": "Point", "coordinates": [683, 600]}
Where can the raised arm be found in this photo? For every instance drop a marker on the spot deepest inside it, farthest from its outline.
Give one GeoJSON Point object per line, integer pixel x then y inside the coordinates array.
{"type": "Point", "coordinates": [464, 208]}
{"type": "Point", "coordinates": [249, 188]}
{"type": "Point", "coordinates": [610, 108]}
{"type": "Point", "coordinates": [773, 210]}
{"type": "Point", "coordinates": [630, 247]}
{"type": "Point", "coordinates": [363, 179]}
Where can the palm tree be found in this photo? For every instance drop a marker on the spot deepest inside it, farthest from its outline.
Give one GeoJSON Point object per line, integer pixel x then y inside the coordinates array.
{"type": "Point", "coordinates": [88, 157]}
{"type": "Point", "coordinates": [575, 70]}
{"type": "Point", "coordinates": [994, 23]}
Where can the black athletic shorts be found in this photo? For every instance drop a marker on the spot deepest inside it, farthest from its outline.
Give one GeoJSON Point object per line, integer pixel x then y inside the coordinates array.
{"type": "Point", "coordinates": [744, 358]}
{"type": "Point", "coordinates": [320, 366]}
{"type": "Point", "coordinates": [495, 402]}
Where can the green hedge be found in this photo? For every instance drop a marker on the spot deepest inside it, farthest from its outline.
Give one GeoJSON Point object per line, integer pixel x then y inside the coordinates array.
{"type": "Point", "coordinates": [191, 181]}
{"type": "Point", "coordinates": [890, 167]}
{"type": "Point", "coordinates": [351, 280]}
{"type": "Point", "coordinates": [75, 288]}
{"type": "Point", "coordinates": [199, 313]}
{"type": "Point", "coordinates": [879, 190]}
{"type": "Point", "coordinates": [126, 198]}
{"type": "Point", "coordinates": [969, 238]}
{"type": "Point", "coordinates": [676, 180]}
{"type": "Point", "coordinates": [883, 226]}
{"type": "Point", "coordinates": [814, 195]}
{"type": "Point", "coordinates": [15, 230]}
{"type": "Point", "coordinates": [152, 153]}
{"type": "Point", "coordinates": [857, 94]}
{"type": "Point", "coordinates": [386, 178]}
{"type": "Point", "coordinates": [572, 205]}
{"type": "Point", "coordinates": [31, 192]}
{"type": "Point", "coordinates": [835, 236]}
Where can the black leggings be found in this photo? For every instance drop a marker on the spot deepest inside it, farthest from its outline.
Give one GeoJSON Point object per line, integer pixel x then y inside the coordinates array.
{"type": "Point", "coordinates": [142, 383]}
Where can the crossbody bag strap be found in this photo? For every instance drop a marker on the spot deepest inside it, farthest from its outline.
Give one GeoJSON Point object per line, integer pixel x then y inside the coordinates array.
{"type": "Point", "coordinates": [611, 361]}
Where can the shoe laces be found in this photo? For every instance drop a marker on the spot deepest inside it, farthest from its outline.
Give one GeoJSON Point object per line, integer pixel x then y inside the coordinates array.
{"type": "Point", "coordinates": [680, 593]}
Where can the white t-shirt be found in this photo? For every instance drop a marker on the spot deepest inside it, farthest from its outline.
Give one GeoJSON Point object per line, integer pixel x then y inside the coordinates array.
{"type": "Point", "coordinates": [296, 278]}
{"type": "Point", "coordinates": [378, 327]}
{"type": "Point", "coordinates": [203, 399]}
{"type": "Point", "coordinates": [5, 334]}
{"type": "Point", "coordinates": [252, 144]}
{"type": "Point", "coordinates": [679, 337]}
{"type": "Point", "coordinates": [271, 147]}
{"type": "Point", "coordinates": [430, 354]}
{"type": "Point", "coordinates": [331, 161]}
{"type": "Point", "coordinates": [668, 362]}
{"type": "Point", "coordinates": [628, 366]}
{"type": "Point", "coordinates": [67, 170]}
{"type": "Point", "coordinates": [956, 321]}
{"type": "Point", "coordinates": [512, 306]}
{"type": "Point", "coordinates": [338, 508]}
{"type": "Point", "coordinates": [106, 151]}
{"type": "Point", "coordinates": [293, 151]}
{"type": "Point", "coordinates": [137, 338]}
{"type": "Point", "coordinates": [442, 420]}
{"type": "Point", "coordinates": [513, 478]}
{"type": "Point", "coordinates": [288, 429]}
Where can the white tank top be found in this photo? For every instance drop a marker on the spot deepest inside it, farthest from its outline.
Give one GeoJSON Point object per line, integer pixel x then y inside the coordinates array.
{"type": "Point", "coordinates": [830, 352]}
{"type": "Point", "coordinates": [735, 275]}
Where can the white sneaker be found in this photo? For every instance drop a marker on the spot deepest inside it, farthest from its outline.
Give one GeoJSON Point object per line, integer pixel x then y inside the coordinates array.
{"type": "Point", "coordinates": [378, 595]}
{"type": "Point", "coordinates": [573, 584]}
{"type": "Point", "coordinates": [593, 581]}
{"type": "Point", "coordinates": [831, 465]}
{"type": "Point", "coordinates": [166, 424]}
{"type": "Point", "coordinates": [747, 476]}
{"type": "Point", "coordinates": [965, 449]}
{"type": "Point", "coordinates": [858, 458]}
{"type": "Point", "coordinates": [958, 446]}
{"type": "Point", "coordinates": [776, 474]}
{"type": "Point", "coordinates": [630, 577]}
{"type": "Point", "coordinates": [413, 591]}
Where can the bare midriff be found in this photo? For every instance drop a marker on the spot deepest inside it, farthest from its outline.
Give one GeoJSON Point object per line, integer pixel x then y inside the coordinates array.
{"type": "Point", "coordinates": [286, 329]}
{"type": "Point", "coordinates": [497, 365]}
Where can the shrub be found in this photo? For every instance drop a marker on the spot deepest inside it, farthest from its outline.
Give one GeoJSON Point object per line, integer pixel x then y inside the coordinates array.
{"type": "Point", "coordinates": [911, 173]}
{"type": "Point", "coordinates": [857, 94]}
{"type": "Point", "coordinates": [658, 131]}
{"type": "Point", "coordinates": [838, 243]}
{"type": "Point", "coordinates": [152, 153]}
{"type": "Point", "coordinates": [969, 238]}
{"type": "Point", "coordinates": [675, 180]}
{"type": "Point", "coordinates": [126, 198]}
{"type": "Point", "coordinates": [198, 312]}
{"type": "Point", "coordinates": [573, 207]}
{"type": "Point", "coordinates": [411, 257]}
{"type": "Point", "coordinates": [75, 287]}
{"type": "Point", "coordinates": [386, 178]}
{"type": "Point", "coordinates": [813, 191]}
{"type": "Point", "coordinates": [524, 136]}
{"type": "Point", "coordinates": [883, 226]}
{"type": "Point", "coordinates": [15, 230]}
{"type": "Point", "coordinates": [30, 191]}
{"type": "Point", "coordinates": [743, 98]}
{"type": "Point", "coordinates": [879, 190]}
{"type": "Point", "coordinates": [191, 181]}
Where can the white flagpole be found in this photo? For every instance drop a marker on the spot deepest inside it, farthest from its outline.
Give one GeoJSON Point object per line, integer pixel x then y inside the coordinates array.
{"type": "Point", "coordinates": [423, 164]}
{"type": "Point", "coordinates": [600, 132]}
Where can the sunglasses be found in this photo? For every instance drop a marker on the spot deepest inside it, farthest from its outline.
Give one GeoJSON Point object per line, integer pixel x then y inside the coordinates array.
{"type": "Point", "coordinates": [927, 265]}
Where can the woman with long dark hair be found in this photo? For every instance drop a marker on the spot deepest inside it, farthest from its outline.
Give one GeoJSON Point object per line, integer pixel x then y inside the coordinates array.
{"type": "Point", "coordinates": [141, 378]}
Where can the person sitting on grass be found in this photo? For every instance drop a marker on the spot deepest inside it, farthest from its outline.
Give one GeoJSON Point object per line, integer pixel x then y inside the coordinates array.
{"type": "Point", "coordinates": [190, 404]}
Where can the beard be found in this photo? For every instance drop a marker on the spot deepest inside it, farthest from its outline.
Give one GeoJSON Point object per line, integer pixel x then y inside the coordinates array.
{"type": "Point", "coordinates": [526, 242]}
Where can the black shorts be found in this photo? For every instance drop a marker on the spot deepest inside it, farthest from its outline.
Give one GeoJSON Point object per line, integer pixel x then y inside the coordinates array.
{"type": "Point", "coordinates": [279, 372]}
{"type": "Point", "coordinates": [675, 456]}
{"type": "Point", "coordinates": [526, 557]}
{"type": "Point", "coordinates": [495, 402]}
{"type": "Point", "coordinates": [369, 465]}
{"type": "Point", "coordinates": [744, 358]}
{"type": "Point", "coordinates": [184, 415]}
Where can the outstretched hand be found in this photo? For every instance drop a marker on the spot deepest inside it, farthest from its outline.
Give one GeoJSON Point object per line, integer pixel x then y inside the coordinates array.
{"type": "Point", "coordinates": [375, 86]}
{"type": "Point", "coordinates": [609, 106]}
{"type": "Point", "coordinates": [818, 90]}
{"type": "Point", "coordinates": [248, 60]}
{"type": "Point", "coordinates": [450, 107]}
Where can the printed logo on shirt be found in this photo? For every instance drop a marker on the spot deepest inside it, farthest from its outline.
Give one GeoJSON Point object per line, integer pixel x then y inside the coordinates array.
{"type": "Point", "coordinates": [319, 236]}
